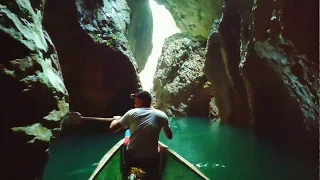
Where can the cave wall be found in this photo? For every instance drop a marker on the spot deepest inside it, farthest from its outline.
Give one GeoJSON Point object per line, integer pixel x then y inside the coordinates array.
{"type": "Point", "coordinates": [180, 87]}
{"type": "Point", "coordinates": [33, 96]}
{"type": "Point", "coordinates": [98, 66]}
{"type": "Point", "coordinates": [139, 33]}
{"type": "Point", "coordinates": [289, 67]}
{"type": "Point", "coordinates": [87, 38]}
{"type": "Point", "coordinates": [222, 65]}
{"type": "Point", "coordinates": [270, 73]}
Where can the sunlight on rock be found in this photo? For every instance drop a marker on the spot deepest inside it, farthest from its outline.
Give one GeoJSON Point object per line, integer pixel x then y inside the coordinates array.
{"type": "Point", "coordinates": [163, 27]}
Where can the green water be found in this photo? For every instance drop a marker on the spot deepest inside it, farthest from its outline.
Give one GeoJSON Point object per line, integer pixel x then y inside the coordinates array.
{"type": "Point", "coordinates": [219, 151]}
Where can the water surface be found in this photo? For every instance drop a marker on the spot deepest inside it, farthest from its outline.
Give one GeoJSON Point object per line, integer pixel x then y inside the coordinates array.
{"type": "Point", "coordinates": [219, 151]}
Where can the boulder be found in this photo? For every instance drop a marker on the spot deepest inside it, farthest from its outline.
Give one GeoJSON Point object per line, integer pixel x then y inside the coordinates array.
{"type": "Point", "coordinates": [180, 87]}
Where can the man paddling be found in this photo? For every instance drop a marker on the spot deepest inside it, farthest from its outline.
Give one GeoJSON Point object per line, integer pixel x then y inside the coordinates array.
{"type": "Point", "coordinates": [144, 125]}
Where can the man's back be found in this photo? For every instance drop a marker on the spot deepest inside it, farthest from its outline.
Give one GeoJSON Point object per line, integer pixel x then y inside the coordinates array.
{"type": "Point", "coordinates": [145, 125]}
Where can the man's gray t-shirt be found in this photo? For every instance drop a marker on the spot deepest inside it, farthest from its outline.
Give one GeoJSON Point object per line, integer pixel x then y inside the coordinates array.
{"type": "Point", "coordinates": [145, 125]}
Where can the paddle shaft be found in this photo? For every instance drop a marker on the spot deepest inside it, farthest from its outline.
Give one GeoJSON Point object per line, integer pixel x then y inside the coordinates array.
{"type": "Point", "coordinates": [97, 119]}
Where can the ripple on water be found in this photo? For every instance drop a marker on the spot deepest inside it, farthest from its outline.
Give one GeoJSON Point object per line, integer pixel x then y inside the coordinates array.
{"type": "Point", "coordinates": [208, 165]}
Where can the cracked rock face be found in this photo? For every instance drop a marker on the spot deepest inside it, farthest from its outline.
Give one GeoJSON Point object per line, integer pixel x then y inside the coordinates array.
{"type": "Point", "coordinates": [98, 66]}
{"type": "Point", "coordinates": [180, 87]}
{"type": "Point", "coordinates": [33, 96]}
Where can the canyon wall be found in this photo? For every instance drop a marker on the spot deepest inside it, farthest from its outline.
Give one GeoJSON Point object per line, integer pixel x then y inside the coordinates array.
{"type": "Point", "coordinates": [180, 86]}
{"type": "Point", "coordinates": [98, 66]}
{"type": "Point", "coordinates": [33, 96]}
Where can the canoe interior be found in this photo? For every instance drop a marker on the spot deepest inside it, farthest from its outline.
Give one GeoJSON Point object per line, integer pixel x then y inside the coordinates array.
{"type": "Point", "coordinates": [110, 166]}
{"type": "Point", "coordinates": [174, 167]}
{"type": "Point", "coordinates": [112, 170]}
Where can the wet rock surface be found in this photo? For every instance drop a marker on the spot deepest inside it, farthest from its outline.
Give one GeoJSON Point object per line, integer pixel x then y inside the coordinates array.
{"type": "Point", "coordinates": [263, 65]}
{"type": "Point", "coordinates": [99, 69]}
{"type": "Point", "coordinates": [180, 87]}
{"type": "Point", "coordinates": [222, 70]}
{"type": "Point", "coordinates": [33, 96]}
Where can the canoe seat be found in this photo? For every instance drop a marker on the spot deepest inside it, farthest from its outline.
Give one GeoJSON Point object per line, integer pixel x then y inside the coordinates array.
{"type": "Point", "coordinates": [131, 168]}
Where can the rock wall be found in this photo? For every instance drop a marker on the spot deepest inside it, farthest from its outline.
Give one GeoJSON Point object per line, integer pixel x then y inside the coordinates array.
{"type": "Point", "coordinates": [33, 96]}
{"type": "Point", "coordinates": [98, 66]}
{"type": "Point", "coordinates": [265, 73]}
{"type": "Point", "coordinates": [289, 67]}
{"type": "Point", "coordinates": [140, 30]}
{"type": "Point", "coordinates": [194, 17]}
{"type": "Point", "coordinates": [180, 87]}
{"type": "Point", "coordinates": [222, 70]}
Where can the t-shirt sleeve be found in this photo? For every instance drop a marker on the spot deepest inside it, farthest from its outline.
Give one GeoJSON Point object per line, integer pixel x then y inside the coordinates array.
{"type": "Point", "coordinates": [125, 120]}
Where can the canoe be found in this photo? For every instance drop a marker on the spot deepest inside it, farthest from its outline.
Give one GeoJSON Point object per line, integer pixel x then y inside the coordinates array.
{"type": "Point", "coordinates": [173, 166]}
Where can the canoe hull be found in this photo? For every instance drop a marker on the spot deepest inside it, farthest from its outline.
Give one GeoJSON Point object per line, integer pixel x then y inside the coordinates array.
{"type": "Point", "coordinates": [110, 166]}
{"type": "Point", "coordinates": [173, 166]}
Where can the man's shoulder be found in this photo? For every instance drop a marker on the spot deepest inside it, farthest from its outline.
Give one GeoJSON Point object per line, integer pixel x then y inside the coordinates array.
{"type": "Point", "coordinates": [150, 110]}
{"type": "Point", "coordinates": [130, 112]}
{"type": "Point", "coordinates": [160, 113]}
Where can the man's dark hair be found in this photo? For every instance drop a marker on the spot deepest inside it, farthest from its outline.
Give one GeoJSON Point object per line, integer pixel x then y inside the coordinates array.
{"type": "Point", "coordinates": [145, 97]}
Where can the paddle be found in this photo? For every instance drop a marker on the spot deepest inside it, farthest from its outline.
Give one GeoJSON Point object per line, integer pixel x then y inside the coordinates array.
{"type": "Point", "coordinates": [74, 118]}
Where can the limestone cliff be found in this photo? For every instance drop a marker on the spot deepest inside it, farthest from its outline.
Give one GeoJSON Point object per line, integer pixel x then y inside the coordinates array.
{"type": "Point", "coordinates": [180, 87]}
{"type": "Point", "coordinates": [33, 96]}
{"type": "Point", "coordinates": [263, 64]}
{"type": "Point", "coordinates": [98, 66]}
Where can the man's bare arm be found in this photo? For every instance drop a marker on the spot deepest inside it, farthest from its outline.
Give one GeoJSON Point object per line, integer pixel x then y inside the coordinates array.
{"type": "Point", "coordinates": [77, 118]}
{"type": "Point", "coordinates": [115, 126]}
{"type": "Point", "coordinates": [167, 131]}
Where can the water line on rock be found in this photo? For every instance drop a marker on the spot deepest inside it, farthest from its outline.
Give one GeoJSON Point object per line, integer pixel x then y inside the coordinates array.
{"type": "Point", "coordinates": [163, 27]}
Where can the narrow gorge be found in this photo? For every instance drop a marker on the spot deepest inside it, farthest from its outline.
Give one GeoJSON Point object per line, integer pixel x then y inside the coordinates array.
{"type": "Point", "coordinates": [252, 64]}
